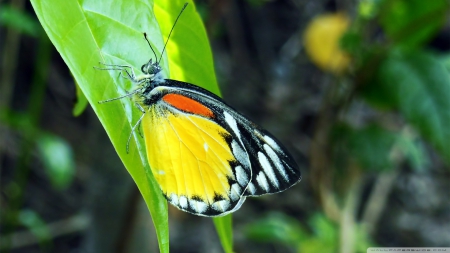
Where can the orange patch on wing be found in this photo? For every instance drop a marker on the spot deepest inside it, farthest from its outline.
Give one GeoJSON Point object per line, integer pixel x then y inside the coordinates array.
{"type": "Point", "coordinates": [187, 105]}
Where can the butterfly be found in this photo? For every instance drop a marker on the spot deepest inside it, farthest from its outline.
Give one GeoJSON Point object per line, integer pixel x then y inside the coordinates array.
{"type": "Point", "coordinates": [206, 157]}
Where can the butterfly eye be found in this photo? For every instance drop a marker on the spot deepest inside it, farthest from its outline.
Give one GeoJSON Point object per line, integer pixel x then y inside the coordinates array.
{"type": "Point", "coordinates": [151, 68]}
{"type": "Point", "coordinates": [146, 68]}
{"type": "Point", "coordinates": [155, 69]}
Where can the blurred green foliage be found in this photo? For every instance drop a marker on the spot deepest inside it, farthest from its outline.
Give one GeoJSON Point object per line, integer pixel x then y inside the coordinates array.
{"type": "Point", "coordinates": [404, 88]}
{"type": "Point", "coordinates": [33, 221]}
{"type": "Point", "coordinates": [56, 153]}
{"type": "Point", "coordinates": [58, 159]}
{"type": "Point", "coordinates": [417, 85]}
{"type": "Point", "coordinates": [19, 21]}
{"type": "Point", "coordinates": [411, 23]}
{"type": "Point", "coordinates": [320, 234]}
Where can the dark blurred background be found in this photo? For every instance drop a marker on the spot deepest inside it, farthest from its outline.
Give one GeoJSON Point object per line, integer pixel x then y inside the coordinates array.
{"type": "Point", "coordinates": [371, 176]}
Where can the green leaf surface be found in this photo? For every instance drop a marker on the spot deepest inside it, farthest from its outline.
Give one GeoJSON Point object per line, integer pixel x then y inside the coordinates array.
{"type": "Point", "coordinates": [225, 231]}
{"type": "Point", "coordinates": [188, 48]}
{"type": "Point", "coordinates": [81, 103]}
{"type": "Point", "coordinates": [276, 228]}
{"type": "Point", "coordinates": [410, 23]}
{"type": "Point", "coordinates": [418, 86]}
{"type": "Point", "coordinates": [370, 146]}
{"type": "Point", "coordinates": [90, 31]}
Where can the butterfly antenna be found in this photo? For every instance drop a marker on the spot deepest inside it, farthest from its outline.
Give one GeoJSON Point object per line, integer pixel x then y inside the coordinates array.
{"type": "Point", "coordinates": [148, 42]}
{"type": "Point", "coordinates": [170, 33]}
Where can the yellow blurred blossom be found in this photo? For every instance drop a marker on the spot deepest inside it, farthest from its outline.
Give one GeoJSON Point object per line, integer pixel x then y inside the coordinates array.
{"type": "Point", "coordinates": [321, 40]}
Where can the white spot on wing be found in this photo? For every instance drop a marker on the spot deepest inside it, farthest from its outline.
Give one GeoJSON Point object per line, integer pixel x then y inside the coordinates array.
{"type": "Point", "coordinates": [174, 199]}
{"type": "Point", "coordinates": [161, 172]}
{"type": "Point", "coordinates": [205, 146]}
{"type": "Point", "coordinates": [235, 192]}
{"type": "Point", "coordinates": [221, 205]}
{"type": "Point", "coordinates": [232, 123]}
{"type": "Point", "coordinates": [265, 164]}
{"type": "Point", "coordinates": [198, 206]}
{"type": "Point", "coordinates": [183, 202]}
{"type": "Point", "coordinates": [240, 155]}
{"type": "Point", "coordinates": [273, 143]}
{"type": "Point", "coordinates": [241, 176]}
{"type": "Point", "coordinates": [276, 160]}
{"type": "Point", "coordinates": [251, 188]}
{"type": "Point", "coordinates": [262, 181]}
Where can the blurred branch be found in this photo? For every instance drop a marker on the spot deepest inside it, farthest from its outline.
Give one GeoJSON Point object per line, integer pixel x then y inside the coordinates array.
{"type": "Point", "coordinates": [320, 155]}
{"type": "Point", "coordinates": [234, 25]}
{"type": "Point", "coordinates": [320, 174]}
{"type": "Point", "coordinates": [8, 71]}
{"type": "Point", "coordinates": [378, 199]}
{"type": "Point", "coordinates": [71, 225]}
{"type": "Point", "coordinates": [349, 211]}
{"type": "Point", "coordinates": [9, 60]}
{"type": "Point", "coordinates": [21, 171]}
{"type": "Point", "coordinates": [217, 10]}
{"type": "Point", "coordinates": [126, 232]}
{"type": "Point", "coordinates": [380, 193]}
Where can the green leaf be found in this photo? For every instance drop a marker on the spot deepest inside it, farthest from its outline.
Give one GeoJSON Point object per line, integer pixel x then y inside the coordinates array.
{"type": "Point", "coordinates": [33, 221]}
{"type": "Point", "coordinates": [188, 48]}
{"type": "Point", "coordinates": [368, 8]}
{"type": "Point", "coordinates": [411, 23]}
{"type": "Point", "coordinates": [370, 146]}
{"type": "Point", "coordinates": [363, 240]}
{"type": "Point", "coordinates": [445, 60]}
{"type": "Point", "coordinates": [412, 150]}
{"type": "Point", "coordinates": [323, 228]}
{"type": "Point", "coordinates": [88, 32]}
{"type": "Point", "coordinates": [58, 160]}
{"type": "Point", "coordinates": [324, 237]}
{"type": "Point", "coordinates": [276, 227]}
{"type": "Point", "coordinates": [81, 103]}
{"type": "Point", "coordinates": [417, 85]}
{"type": "Point", "coordinates": [225, 231]}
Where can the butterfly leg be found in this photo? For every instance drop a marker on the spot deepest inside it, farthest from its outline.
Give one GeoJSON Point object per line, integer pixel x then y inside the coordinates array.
{"type": "Point", "coordinates": [130, 75]}
{"type": "Point", "coordinates": [140, 125]}
{"type": "Point", "coordinates": [132, 130]}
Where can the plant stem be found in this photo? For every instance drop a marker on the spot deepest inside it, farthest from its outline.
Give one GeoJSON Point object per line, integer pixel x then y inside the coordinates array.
{"type": "Point", "coordinates": [348, 214]}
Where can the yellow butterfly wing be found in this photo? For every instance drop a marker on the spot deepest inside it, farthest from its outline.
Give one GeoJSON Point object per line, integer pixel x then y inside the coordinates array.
{"type": "Point", "coordinates": [191, 159]}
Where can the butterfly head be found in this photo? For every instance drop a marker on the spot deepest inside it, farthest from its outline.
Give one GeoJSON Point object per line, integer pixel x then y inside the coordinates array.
{"type": "Point", "coordinates": [153, 70]}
